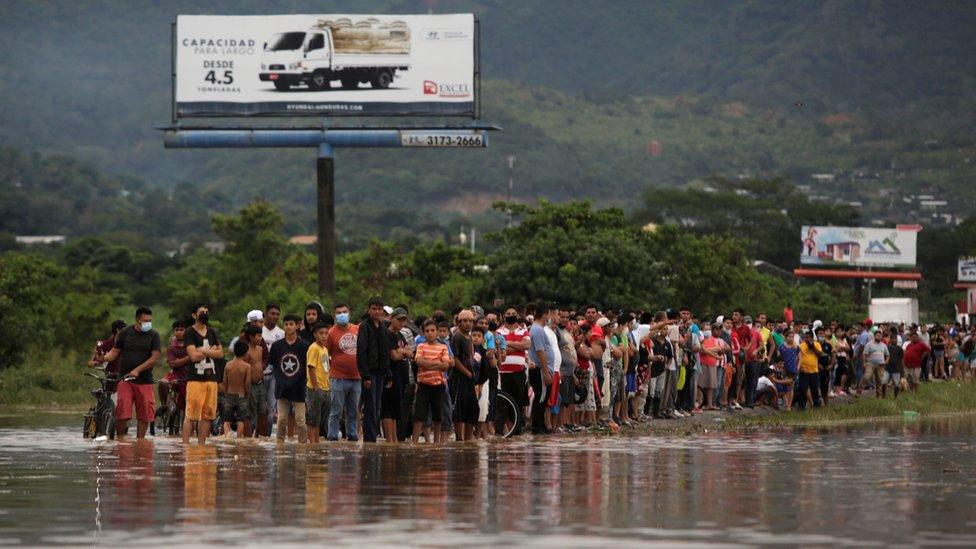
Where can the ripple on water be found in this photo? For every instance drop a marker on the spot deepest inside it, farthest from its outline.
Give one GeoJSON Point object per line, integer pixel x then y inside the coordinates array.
{"type": "Point", "coordinates": [872, 485]}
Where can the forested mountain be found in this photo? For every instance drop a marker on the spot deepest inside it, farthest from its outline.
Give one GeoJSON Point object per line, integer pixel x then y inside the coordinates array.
{"type": "Point", "coordinates": [581, 88]}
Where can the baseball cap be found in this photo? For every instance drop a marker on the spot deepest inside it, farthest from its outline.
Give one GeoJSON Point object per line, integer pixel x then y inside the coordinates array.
{"type": "Point", "coordinates": [399, 312]}
{"type": "Point", "coordinates": [602, 321]}
{"type": "Point", "coordinates": [478, 310]}
{"type": "Point", "coordinates": [747, 319]}
{"type": "Point", "coordinates": [255, 315]}
{"type": "Point", "coordinates": [387, 309]}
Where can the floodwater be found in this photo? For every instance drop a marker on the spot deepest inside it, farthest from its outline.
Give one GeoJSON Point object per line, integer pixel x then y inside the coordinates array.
{"type": "Point", "coordinates": [897, 484]}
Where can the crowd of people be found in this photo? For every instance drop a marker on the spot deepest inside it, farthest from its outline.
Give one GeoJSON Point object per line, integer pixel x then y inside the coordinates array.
{"type": "Point", "coordinates": [399, 378]}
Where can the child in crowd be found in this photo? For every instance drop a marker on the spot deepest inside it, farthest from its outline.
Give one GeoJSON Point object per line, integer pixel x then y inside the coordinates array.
{"type": "Point", "coordinates": [432, 361]}
{"type": "Point", "coordinates": [236, 384]}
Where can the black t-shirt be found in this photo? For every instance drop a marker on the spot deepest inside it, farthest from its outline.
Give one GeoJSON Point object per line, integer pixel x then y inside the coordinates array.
{"type": "Point", "coordinates": [896, 355]}
{"type": "Point", "coordinates": [824, 359]}
{"type": "Point", "coordinates": [399, 368]}
{"type": "Point", "coordinates": [661, 348]}
{"type": "Point", "coordinates": [206, 369]}
{"type": "Point", "coordinates": [136, 347]}
{"type": "Point", "coordinates": [287, 362]}
{"type": "Point", "coordinates": [463, 350]}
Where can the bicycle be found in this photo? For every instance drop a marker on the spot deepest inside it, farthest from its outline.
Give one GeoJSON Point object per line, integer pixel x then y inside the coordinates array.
{"type": "Point", "coordinates": [507, 409]}
{"type": "Point", "coordinates": [100, 419]}
{"type": "Point", "coordinates": [170, 417]}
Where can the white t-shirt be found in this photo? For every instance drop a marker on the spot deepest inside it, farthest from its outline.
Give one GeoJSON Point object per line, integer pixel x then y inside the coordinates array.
{"type": "Point", "coordinates": [270, 336]}
{"type": "Point", "coordinates": [640, 332]}
{"type": "Point", "coordinates": [554, 341]}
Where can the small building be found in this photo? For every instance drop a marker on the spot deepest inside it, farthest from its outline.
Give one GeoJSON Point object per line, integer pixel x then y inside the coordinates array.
{"type": "Point", "coordinates": [40, 239]}
{"type": "Point", "coordinates": [304, 240]}
{"type": "Point", "coordinates": [847, 252]}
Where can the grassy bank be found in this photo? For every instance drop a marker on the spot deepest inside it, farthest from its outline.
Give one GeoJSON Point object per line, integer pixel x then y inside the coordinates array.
{"type": "Point", "coordinates": [931, 399]}
{"type": "Point", "coordinates": [50, 380]}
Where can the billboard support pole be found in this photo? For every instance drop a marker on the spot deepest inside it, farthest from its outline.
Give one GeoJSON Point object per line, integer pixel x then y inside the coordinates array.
{"type": "Point", "coordinates": [325, 141]}
{"type": "Point", "coordinates": [325, 207]}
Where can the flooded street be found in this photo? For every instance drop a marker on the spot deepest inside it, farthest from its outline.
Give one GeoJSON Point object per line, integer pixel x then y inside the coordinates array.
{"type": "Point", "coordinates": [893, 484]}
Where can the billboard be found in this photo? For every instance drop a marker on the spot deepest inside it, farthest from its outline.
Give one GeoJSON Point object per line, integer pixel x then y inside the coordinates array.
{"type": "Point", "coordinates": [858, 246]}
{"type": "Point", "coordinates": [325, 65]}
{"type": "Point", "coordinates": [967, 269]}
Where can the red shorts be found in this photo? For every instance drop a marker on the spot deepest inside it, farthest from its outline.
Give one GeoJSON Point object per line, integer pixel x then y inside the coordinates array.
{"type": "Point", "coordinates": [136, 397]}
{"type": "Point", "coordinates": [554, 390]}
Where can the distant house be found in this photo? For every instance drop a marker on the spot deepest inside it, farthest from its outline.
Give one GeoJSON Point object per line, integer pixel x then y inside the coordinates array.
{"type": "Point", "coordinates": [41, 239]}
{"type": "Point", "coordinates": [303, 240]}
{"type": "Point", "coordinates": [842, 252]}
{"type": "Point", "coordinates": [823, 177]}
{"type": "Point", "coordinates": [933, 204]}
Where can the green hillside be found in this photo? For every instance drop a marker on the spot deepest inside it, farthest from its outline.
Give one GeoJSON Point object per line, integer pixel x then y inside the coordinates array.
{"type": "Point", "coordinates": [878, 93]}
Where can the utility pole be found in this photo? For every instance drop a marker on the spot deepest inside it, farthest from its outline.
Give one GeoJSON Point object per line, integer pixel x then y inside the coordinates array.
{"type": "Point", "coordinates": [511, 185]}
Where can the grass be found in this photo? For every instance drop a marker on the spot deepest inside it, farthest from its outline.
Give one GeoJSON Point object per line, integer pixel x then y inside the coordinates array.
{"type": "Point", "coordinates": [51, 380]}
{"type": "Point", "coordinates": [931, 399]}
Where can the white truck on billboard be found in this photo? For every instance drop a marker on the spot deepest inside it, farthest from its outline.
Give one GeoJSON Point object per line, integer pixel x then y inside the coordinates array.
{"type": "Point", "coordinates": [352, 52]}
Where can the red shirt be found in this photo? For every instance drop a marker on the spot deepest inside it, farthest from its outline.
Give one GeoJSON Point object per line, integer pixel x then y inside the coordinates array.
{"type": "Point", "coordinates": [914, 353]}
{"type": "Point", "coordinates": [174, 352]}
{"type": "Point", "coordinates": [342, 349]}
{"type": "Point", "coordinates": [744, 335]}
{"type": "Point", "coordinates": [596, 332]}
{"type": "Point", "coordinates": [105, 346]}
{"type": "Point", "coordinates": [788, 315]}
{"type": "Point", "coordinates": [514, 360]}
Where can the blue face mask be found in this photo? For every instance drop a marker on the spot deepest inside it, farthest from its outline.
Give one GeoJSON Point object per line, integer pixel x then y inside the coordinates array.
{"type": "Point", "coordinates": [342, 319]}
{"type": "Point", "coordinates": [146, 326]}
{"type": "Point", "coordinates": [706, 333]}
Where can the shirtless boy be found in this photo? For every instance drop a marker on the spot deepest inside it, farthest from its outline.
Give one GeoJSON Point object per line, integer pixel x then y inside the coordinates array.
{"type": "Point", "coordinates": [257, 398]}
{"type": "Point", "coordinates": [237, 385]}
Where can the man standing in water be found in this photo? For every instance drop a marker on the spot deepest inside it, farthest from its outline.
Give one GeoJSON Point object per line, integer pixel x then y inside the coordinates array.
{"type": "Point", "coordinates": [373, 361]}
{"type": "Point", "coordinates": [461, 380]}
{"type": "Point", "coordinates": [137, 349]}
{"type": "Point", "coordinates": [203, 348]}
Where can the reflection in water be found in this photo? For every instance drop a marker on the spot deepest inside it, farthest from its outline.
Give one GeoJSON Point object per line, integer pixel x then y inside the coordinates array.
{"type": "Point", "coordinates": [199, 485]}
{"type": "Point", "coordinates": [894, 483]}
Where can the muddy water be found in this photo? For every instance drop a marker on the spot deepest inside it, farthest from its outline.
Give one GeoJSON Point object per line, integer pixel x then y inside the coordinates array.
{"type": "Point", "coordinates": [894, 484]}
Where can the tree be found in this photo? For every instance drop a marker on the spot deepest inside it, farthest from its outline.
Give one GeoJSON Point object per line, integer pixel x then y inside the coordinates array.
{"type": "Point", "coordinates": [766, 214]}
{"type": "Point", "coordinates": [572, 254]}
{"type": "Point", "coordinates": [254, 244]}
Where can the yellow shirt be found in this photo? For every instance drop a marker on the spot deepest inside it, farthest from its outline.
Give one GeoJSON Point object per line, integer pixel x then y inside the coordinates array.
{"type": "Point", "coordinates": [317, 360]}
{"type": "Point", "coordinates": [808, 358]}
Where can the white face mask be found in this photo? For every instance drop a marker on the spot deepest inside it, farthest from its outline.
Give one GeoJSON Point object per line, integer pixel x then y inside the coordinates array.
{"type": "Point", "coordinates": [706, 333]}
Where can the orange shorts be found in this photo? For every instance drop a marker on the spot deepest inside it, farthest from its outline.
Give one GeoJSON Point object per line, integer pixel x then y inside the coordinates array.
{"type": "Point", "coordinates": [201, 400]}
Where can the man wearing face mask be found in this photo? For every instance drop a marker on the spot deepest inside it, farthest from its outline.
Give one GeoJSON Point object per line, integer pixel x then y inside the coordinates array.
{"type": "Point", "coordinates": [512, 369]}
{"type": "Point", "coordinates": [204, 349]}
{"type": "Point", "coordinates": [344, 380]}
{"type": "Point", "coordinates": [137, 348]}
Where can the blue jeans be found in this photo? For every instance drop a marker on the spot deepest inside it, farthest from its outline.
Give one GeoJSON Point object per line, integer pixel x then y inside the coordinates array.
{"type": "Point", "coordinates": [720, 373]}
{"type": "Point", "coordinates": [371, 408]}
{"type": "Point", "coordinates": [345, 398]}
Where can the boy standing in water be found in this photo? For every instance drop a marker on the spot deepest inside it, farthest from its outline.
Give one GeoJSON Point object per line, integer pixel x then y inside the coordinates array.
{"type": "Point", "coordinates": [318, 400]}
{"type": "Point", "coordinates": [432, 361]}
{"type": "Point", "coordinates": [237, 384]}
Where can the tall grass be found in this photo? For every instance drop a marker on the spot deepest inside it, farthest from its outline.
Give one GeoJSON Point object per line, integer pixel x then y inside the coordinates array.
{"type": "Point", "coordinates": [50, 379]}
{"type": "Point", "coordinates": [931, 398]}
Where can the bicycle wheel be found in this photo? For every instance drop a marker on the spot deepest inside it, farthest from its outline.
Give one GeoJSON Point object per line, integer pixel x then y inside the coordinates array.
{"type": "Point", "coordinates": [506, 409]}
{"type": "Point", "coordinates": [90, 429]}
{"type": "Point", "coordinates": [106, 422]}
